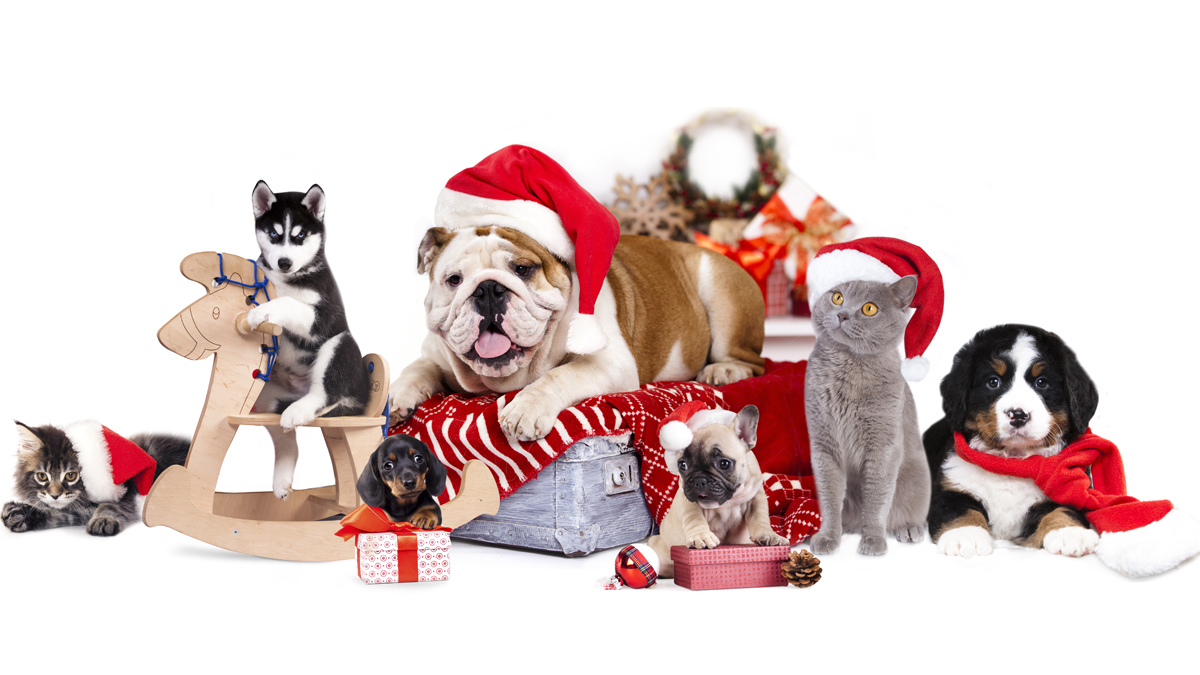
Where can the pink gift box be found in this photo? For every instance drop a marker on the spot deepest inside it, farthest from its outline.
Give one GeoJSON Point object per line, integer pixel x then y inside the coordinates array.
{"type": "Point", "coordinates": [389, 558]}
{"type": "Point", "coordinates": [731, 566]}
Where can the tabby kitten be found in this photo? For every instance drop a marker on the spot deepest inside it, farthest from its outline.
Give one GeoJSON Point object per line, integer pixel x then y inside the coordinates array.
{"type": "Point", "coordinates": [871, 473]}
{"type": "Point", "coordinates": [50, 490]}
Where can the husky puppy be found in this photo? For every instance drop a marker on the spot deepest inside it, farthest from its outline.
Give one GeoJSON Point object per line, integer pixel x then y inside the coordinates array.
{"type": "Point", "coordinates": [319, 368]}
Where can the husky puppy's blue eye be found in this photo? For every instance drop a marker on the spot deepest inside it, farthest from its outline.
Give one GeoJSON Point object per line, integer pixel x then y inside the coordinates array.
{"type": "Point", "coordinates": [299, 237]}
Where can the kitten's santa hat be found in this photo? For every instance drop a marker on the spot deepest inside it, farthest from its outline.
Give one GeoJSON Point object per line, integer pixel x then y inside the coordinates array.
{"type": "Point", "coordinates": [886, 260]}
{"type": "Point", "coordinates": [107, 461]}
{"type": "Point", "coordinates": [522, 188]}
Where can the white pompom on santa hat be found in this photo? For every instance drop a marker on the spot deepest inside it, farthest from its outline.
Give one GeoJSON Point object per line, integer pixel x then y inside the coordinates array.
{"type": "Point", "coordinates": [108, 460]}
{"type": "Point", "coordinates": [522, 188]}
{"type": "Point", "coordinates": [886, 260]}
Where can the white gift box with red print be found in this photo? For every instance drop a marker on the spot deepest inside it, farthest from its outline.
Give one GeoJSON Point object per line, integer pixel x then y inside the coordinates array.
{"type": "Point", "coordinates": [389, 557]}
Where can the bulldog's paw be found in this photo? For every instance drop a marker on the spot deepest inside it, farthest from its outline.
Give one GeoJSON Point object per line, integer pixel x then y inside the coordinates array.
{"type": "Point", "coordinates": [530, 415]}
{"type": "Point", "coordinates": [825, 542]}
{"type": "Point", "coordinates": [872, 544]}
{"type": "Point", "coordinates": [703, 540]}
{"type": "Point", "coordinates": [966, 542]}
{"type": "Point", "coordinates": [1072, 541]}
{"type": "Point", "coordinates": [909, 533]}
{"type": "Point", "coordinates": [719, 374]}
{"type": "Point", "coordinates": [768, 539]}
{"type": "Point", "coordinates": [404, 401]}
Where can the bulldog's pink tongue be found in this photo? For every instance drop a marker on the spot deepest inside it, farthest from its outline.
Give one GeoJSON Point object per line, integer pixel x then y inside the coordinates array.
{"type": "Point", "coordinates": [490, 345]}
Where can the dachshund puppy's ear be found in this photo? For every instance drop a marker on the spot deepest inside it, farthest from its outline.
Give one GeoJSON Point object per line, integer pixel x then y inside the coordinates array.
{"type": "Point", "coordinates": [435, 476]}
{"type": "Point", "coordinates": [370, 486]}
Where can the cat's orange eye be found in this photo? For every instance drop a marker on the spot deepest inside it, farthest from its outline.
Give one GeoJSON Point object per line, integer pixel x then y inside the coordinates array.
{"type": "Point", "coordinates": [870, 309]}
{"type": "Point", "coordinates": [41, 476]}
{"type": "Point", "coordinates": [71, 476]}
{"type": "Point", "coordinates": [837, 298]}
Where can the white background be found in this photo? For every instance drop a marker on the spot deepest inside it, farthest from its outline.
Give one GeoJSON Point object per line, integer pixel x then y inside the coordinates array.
{"type": "Point", "coordinates": [1044, 156]}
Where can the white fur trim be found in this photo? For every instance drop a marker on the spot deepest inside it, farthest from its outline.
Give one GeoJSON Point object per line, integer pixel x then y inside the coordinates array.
{"type": "Point", "coordinates": [836, 267]}
{"type": "Point", "coordinates": [674, 436]}
{"type": "Point", "coordinates": [585, 335]}
{"type": "Point", "coordinates": [457, 210]}
{"type": "Point", "coordinates": [707, 417]}
{"type": "Point", "coordinates": [914, 369]}
{"type": "Point", "coordinates": [95, 463]}
{"type": "Point", "coordinates": [1152, 549]}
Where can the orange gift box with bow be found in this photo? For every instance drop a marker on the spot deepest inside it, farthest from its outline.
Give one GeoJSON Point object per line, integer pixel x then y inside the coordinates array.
{"type": "Point", "coordinates": [389, 553]}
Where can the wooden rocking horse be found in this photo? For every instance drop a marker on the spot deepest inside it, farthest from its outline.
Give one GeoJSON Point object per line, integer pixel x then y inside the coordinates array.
{"type": "Point", "coordinates": [301, 527]}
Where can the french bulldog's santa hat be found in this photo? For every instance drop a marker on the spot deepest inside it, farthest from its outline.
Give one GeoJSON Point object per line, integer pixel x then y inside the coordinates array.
{"type": "Point", "coordinates": [886, 260]}
{"type": "Point", "coordinates": [522, 188]}
{"type": "Point", "coordinates": [107, 461]}
{"type": "Point", "coordinates": [677, 429]}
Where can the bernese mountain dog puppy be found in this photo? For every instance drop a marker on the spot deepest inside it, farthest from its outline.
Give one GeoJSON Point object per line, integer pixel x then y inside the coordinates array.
{"type": "Point", "coordinates": [403, 477]}
{"type": "Point", "coordinates": [1013, 391]}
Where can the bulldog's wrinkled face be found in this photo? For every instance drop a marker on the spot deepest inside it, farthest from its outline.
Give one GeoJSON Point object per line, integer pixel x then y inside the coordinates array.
{"type": "Point", "coordinates": [713, 468]}
{"type": "Point", "coordinates": [494, 294]}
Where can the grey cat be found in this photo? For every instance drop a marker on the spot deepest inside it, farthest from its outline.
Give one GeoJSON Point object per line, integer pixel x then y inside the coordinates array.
{"type": "Point", "coordinates": [50, 490]}
{"type": "Point", "coordinates": [871, 473]}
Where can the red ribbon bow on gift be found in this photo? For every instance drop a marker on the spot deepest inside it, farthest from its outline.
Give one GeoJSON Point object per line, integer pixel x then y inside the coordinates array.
{"type": "Point", "coordinates": [371, 519]}
{"type": "Point", "coordinates": [756, 256]}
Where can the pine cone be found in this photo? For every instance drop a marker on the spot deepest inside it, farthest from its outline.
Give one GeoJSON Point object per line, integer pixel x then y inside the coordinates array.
{"type": "Point", "coordinates": [802, 569]}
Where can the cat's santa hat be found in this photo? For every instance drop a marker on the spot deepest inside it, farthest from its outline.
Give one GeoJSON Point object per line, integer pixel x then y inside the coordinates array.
{"type": "Point", "coordinates": [108, 460]}
{"type": "Point", "coordinates": [522, 188]}
{"type": "Point", "coordinates": [886, 260]}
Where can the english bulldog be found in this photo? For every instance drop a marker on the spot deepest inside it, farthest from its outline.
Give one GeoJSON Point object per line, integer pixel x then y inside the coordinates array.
{"type": "Point", "coordinates": [499, 304]}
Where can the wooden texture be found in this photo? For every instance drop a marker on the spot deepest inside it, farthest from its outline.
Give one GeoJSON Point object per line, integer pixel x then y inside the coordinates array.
{"type": "Point", "coordinates": [302, 526]}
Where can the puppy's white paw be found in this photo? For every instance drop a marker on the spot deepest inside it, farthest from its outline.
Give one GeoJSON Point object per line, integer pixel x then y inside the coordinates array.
{"type": "Point", "coordinates": [966, 542]}
{"type": "Point", "coordinates": [530, 415]}
{"type": "Point", "coordinates": [703, 540]}
{"type": "Point", "coordinates": [404, 400]}
{"type": "Point", "coordinates": [297, 415]}
{"type": "Point", "coordinates": [282, 486]}
{"type": "Point", "coordinates": [259, 315]}
{"type": "Point", "coordinates": [719, 374]}
{"type": "Point", "coordinates": [768, 538]}
{"type": "Point", "coordinates": [1073, 541]}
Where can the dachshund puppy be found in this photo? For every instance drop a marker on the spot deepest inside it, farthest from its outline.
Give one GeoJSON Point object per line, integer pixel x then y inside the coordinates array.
{"type": "Point", "coordinates": [403, 478]}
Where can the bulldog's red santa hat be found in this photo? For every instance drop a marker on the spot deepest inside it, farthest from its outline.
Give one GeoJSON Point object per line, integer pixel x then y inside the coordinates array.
{"type": "Point", "coordinates": [677, 429]}
{"type": "Point", "coordinates": [522, 188]}
{"type": "Point", "coordinates": [107, 461]}
{"type": "Point", "coordinates": [886, 260]}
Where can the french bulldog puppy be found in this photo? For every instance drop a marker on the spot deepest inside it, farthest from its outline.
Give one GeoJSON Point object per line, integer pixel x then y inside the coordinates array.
{"type": "Point", "coordinates": [720, 498]}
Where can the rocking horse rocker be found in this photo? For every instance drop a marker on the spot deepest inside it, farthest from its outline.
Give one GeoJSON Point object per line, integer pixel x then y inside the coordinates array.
{"type": "Point", "coordinates": [302, 527]}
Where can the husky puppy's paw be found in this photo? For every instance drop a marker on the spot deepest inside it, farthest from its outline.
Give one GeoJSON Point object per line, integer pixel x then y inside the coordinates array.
{"type": "Point", "coordinates": [1071, 541]}
{"type": "Point", "coordinates": [704, 539]}
{"type": "Point", "coordinates": [966, 542]}
{"type": "Point", "coordinates": [298, 414]}
{"type": "Point", "coordinates": [282, 486]}
{"type": "Point", "coordinates": [530, 415]}
{"type": "Point", "coordinates": [259, 315]}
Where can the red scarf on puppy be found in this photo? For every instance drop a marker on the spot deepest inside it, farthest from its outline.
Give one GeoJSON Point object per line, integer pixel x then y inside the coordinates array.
{"type": "Point", "coordinates": [1136, 538]}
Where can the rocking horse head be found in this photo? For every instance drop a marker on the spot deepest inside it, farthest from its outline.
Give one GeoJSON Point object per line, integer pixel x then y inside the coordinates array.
{"type": "Point", "coordinates": [212, 322]}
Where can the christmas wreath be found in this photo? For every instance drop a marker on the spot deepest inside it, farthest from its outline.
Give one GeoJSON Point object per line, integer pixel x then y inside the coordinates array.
{"type": "Point", "coordinates": [748, 198]}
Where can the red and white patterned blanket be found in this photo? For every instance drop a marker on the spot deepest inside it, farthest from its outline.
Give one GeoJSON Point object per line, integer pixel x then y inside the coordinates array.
{"type": "Point", "coordinates": [460, 428]}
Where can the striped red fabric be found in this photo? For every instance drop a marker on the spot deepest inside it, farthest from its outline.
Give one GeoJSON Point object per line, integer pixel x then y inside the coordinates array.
{"type": "Point", "coordinates": [460, 428]}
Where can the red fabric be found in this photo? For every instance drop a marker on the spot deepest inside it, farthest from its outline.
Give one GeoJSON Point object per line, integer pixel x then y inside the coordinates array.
{"type": "Point", "coordinates": [129, 461]}
{"type": "Point", "coordinates": [518, 172]}
{"type": "Point", "coordinates": [1065, 480]}
{"type": "Point", "coordinates": [906, 259]}
{"type": "Point", "coordinates": [458, 428]}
